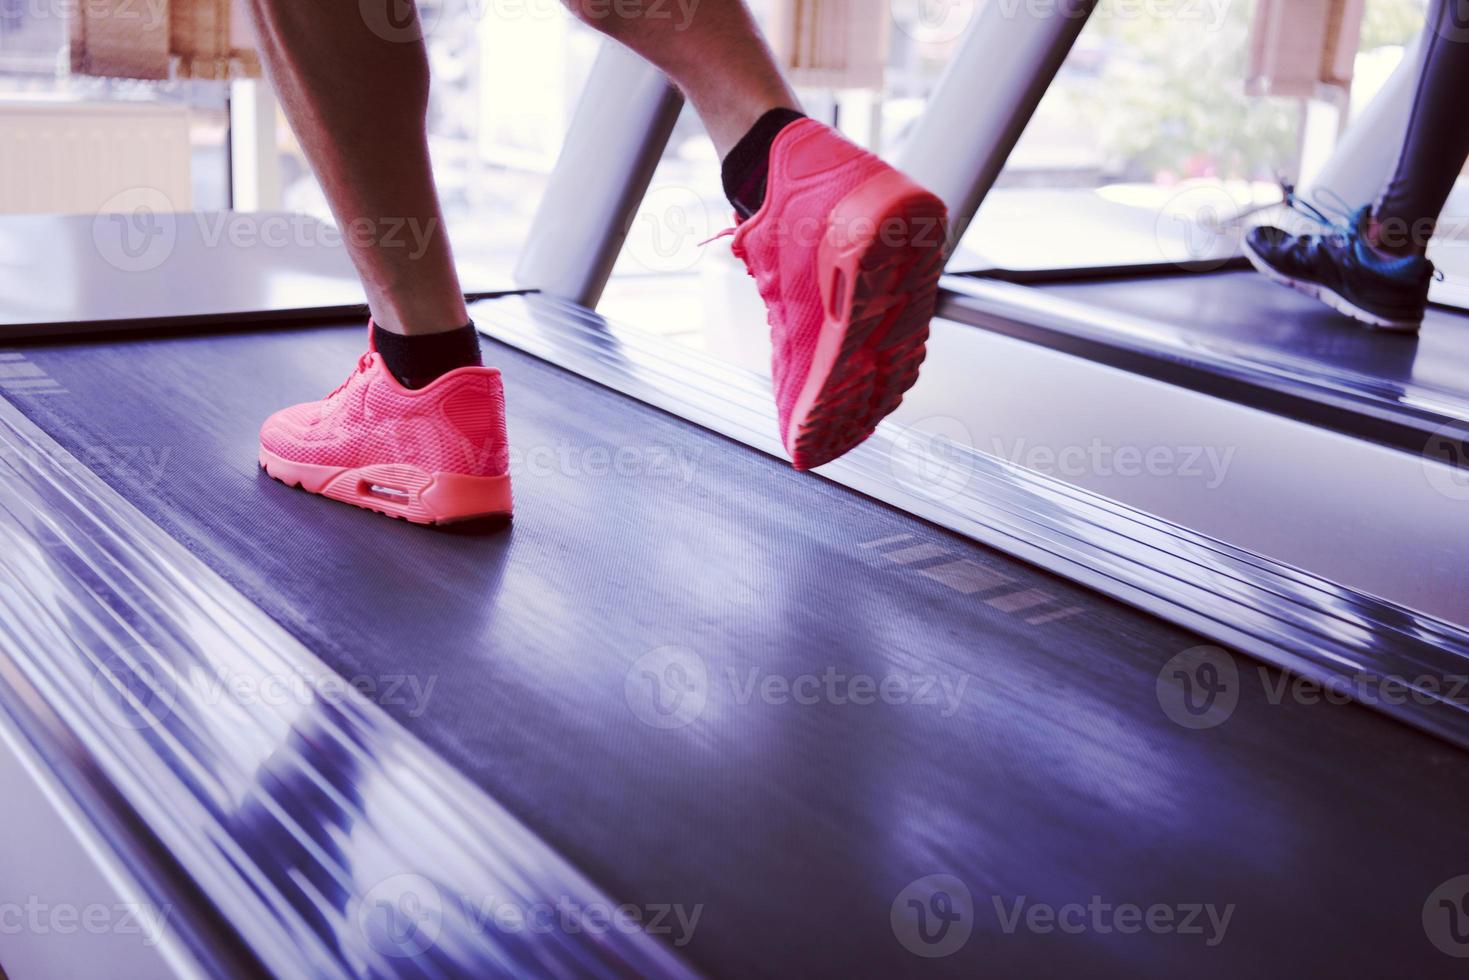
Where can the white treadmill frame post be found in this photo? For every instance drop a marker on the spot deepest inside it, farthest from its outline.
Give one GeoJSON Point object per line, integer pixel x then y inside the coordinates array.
{"type": "Point", "coordinates": [986, 98]}
{"type": "Point", "coordinates": [974, 118]}
{"type": "Point", "coordinates": [616, 139]}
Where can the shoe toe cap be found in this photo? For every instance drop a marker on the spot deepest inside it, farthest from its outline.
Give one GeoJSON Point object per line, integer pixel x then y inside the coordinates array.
{"type": "Point", "coordinates": [287, 427]}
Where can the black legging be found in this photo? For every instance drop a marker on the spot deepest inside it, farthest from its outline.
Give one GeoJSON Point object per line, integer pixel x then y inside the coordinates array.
{"type": "Point", "coordinates": [1437, 141]}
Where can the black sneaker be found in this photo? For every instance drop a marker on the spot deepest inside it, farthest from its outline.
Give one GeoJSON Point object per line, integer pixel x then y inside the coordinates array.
{"type": "Point", "coordinates": [1340, 270]}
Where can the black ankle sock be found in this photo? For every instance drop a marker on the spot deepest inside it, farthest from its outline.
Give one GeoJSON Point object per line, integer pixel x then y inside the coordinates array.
{"type": "Point", "coordinates": [420, 360]}
{"type": "Point", "coordinates": [748, 164]}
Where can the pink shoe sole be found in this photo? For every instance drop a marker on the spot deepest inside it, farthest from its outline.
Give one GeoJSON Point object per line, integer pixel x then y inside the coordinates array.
{"type": "Point", "coordinates": [879, 292]}
{"type": "Point", "coordinates": [397, 490]}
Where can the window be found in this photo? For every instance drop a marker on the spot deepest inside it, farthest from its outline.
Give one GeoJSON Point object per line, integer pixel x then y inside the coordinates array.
{"type": "Point", "coordinates": [42, 101]}
{"type": "Point", "coordinates": [1148, 127]}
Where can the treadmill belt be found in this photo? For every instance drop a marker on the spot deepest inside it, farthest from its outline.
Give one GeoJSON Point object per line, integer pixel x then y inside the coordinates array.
{"type": "Point", "coordinates": [1244, 309]}
{"type": "Point", "coordinates": [858, 700]}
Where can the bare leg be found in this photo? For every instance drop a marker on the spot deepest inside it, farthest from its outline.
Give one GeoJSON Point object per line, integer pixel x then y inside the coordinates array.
{"type": "Point", "coordinates": [357, 100]}
{"type": "Point", "coordinates": [711, 49]}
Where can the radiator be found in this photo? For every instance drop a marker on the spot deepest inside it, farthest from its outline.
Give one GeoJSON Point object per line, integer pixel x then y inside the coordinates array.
{"type": "Point", "coordinates": [65, 156]}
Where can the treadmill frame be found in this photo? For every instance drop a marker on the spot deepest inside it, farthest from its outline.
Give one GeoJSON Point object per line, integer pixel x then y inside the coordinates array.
{"type": "Point", "coordinates": [1421, 421]}
{"type": "Point", "coordinates": [156, 796]}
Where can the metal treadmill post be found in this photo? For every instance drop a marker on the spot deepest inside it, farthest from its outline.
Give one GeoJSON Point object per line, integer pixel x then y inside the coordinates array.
{"type": "Point", "coordinates": [617, 136]}
{"type": "Point", "coordinates": [985, 99]}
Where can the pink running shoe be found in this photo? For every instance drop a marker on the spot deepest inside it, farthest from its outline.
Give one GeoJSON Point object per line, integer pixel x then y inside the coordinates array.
{"type": "Point", "coordinates": [847, 253]}
{"type": "Point", "coordinates": [431, 456]}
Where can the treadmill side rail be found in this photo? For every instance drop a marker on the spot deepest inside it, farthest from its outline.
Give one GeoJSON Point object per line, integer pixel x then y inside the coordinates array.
{"type": "Point", "coordinates": [1403, 414]}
